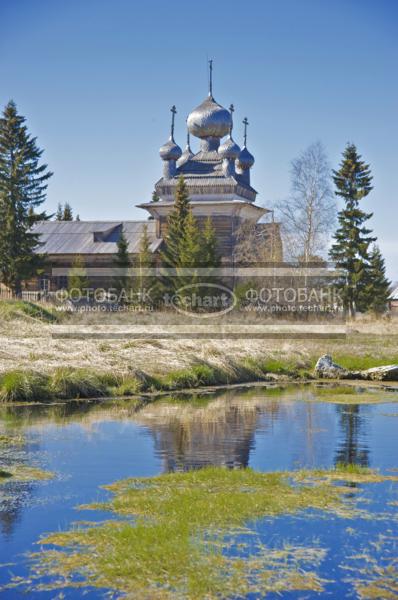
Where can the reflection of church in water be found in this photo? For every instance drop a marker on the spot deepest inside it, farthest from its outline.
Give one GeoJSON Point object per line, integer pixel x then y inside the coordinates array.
{"type": "Point", "coordinates": [221, 433]}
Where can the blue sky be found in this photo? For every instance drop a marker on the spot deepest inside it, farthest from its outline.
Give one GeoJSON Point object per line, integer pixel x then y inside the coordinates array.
{"type": "Point", "coordinates": [96, 79]}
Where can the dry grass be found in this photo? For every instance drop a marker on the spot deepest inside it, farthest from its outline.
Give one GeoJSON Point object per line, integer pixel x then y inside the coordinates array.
{"type": "Point", "coordinates": [27, 344]}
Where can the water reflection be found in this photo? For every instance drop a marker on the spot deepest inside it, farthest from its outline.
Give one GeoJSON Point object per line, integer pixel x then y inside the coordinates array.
{"type": "Point", "coordinates": [221, 432]}
{"type": "Point", "coordinates": [352, 447]}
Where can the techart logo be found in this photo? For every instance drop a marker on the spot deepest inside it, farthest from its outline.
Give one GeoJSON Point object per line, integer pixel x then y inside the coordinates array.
{"type": "Point", "coordinates": [202, 300]}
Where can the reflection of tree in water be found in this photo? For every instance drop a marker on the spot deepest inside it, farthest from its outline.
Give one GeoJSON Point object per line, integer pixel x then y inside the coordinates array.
{"type": "Point", "coordinates": [222, 433]}
{"type": "Point", "coordinates": [13, 497]}
{"type": "Point", "coordinates": [352, 447]}
{"type": "Point", "coordinates": [14, 494]}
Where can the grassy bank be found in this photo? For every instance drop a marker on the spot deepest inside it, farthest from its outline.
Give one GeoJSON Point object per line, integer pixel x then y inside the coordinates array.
{"type": "Point", "coordinates": [67, 383]}
{"type": "Point", "coordinates": [194, 534]}
{"type": "Point", "coordinates": [70, 383]}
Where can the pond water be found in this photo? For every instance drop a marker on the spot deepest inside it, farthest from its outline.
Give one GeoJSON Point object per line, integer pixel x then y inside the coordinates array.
{"type": "Point", "coordinates": [87, 445]}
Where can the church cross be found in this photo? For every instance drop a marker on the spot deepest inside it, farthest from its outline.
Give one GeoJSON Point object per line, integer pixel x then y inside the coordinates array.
{"type": "Point", "coordinates": [231, 110]}
{"type": "Point", "coordinates": [211, 78]}
{"type": "Point", "coordinates": [245, 123]}
{"type": "Point", "coordinates": [173, 111]}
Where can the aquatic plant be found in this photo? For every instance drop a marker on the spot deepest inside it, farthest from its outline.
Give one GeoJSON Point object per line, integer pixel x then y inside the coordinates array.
{"type": "Point", "coordinates": [187, 539]}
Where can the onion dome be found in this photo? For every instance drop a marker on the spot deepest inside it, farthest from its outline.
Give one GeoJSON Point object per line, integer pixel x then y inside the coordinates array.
{"type": "Point", "coordinates": [245, 159]}
{"type": "Point", "coordinates": [187, 154]}
{"type": "Point", "coordinates": [170, 150]}
{"type": "Point", "coordinates": [209, 119]}
{"type": "Point", "coordinates": [229, 149]}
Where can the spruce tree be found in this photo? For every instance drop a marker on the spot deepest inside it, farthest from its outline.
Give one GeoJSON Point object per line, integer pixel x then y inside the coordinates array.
{"type": "Point", "coordinates": [190, 252]}
{"type": "Point", "coordinates": [174, 239]}
{"type": "Point", "coordinates": [122, 282]}
{"type": "Point", "coordinates": [23, 184]}
{"type": "Point", "coordinates": [77, 278]}
{"type": "Point", "coordinates": [378, 287]}
{"type": "Point", "coordinates": [59, 213]}
{"type": "Point", "coordinates": [350, 250]}
{"type": "Point", "coordinates": [144, 283]}
{"type": "Point", "coordinates": [209, 254]}
{"type": "Point", "coordinates": [67, 214]}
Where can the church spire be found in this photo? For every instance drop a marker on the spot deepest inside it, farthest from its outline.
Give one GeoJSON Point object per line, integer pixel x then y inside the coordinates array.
{"type": "Point", "coordinates": [211, 78]}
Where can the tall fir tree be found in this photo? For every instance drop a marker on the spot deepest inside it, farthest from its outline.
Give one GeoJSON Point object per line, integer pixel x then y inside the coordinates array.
{"type": "Point", "coordinates": [59, 214]}
{"type": "Point", "coordinates": [144, 283]}
{"type": "Point", "coordinates": [209, 253]}
{"type": "Point", "coordinates": [171, 255]}
{"type": "Point", "coordinates": [23, 185]}
{"type": "Point", "coordinates": [190, 252]}
{"type": "Point", "coordinates": [122, 282]}
{"type": "Point", "coordinates": [186, 246]}
{"type": "Point", "coordinates": [350, 250]}
{"type": "Point", "coordinates": [67, 213]}
{"type": "Point", "coordinates": [77, 278]}
{"type": "Point", "coordinates": [377, 289]}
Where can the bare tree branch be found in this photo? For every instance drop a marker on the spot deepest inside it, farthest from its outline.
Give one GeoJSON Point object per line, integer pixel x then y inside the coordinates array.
{"type": "Point", "coordinates": [309, 214]}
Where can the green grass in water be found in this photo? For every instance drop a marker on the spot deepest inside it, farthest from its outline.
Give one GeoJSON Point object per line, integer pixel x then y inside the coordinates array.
{"type": "Point", "coordinates": [184, 522]}
{"type": "Point", "coordinates": [21, 472]}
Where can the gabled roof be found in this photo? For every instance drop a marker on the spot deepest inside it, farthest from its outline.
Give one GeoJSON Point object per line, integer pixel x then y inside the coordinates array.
{"type": "Point", "coordinates": [92, 237]}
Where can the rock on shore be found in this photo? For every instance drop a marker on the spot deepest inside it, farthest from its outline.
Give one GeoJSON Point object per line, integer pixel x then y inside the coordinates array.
{"type": "Point", "coordinates": [325, 368]}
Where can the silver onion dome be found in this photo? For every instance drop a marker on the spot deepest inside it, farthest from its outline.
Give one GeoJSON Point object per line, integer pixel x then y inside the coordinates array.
{"type": "Point", "coordinates": [170, 150]}
{"type": "Point", "coordinates": [245, 159]}
{"type": "Point", "coordinates": [185, 156]}
{"type": "Point", "coordinates": [229, 149]}
{"type": "Point", "coordinates": [209, 119]}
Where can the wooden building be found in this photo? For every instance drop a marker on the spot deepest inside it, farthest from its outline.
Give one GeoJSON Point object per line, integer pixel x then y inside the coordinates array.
{"type": "Point", "coordinates": [218, 182]}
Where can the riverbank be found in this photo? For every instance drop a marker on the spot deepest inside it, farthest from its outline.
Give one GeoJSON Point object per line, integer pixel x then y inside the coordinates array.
{"type": "Point", "coordinates": [35, 365]}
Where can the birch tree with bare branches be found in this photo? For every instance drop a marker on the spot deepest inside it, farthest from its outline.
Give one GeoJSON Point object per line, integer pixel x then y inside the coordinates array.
{"type": "Point", "coordinates": [308, 215]}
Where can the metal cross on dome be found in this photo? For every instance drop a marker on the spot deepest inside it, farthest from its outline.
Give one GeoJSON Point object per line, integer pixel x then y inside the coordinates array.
{"type": "Point", "coordinates": [245, 123]}
{"type": "Point", "coordinates": [173, 111]}
{"type": "Point", "coordinates": [231, 110]}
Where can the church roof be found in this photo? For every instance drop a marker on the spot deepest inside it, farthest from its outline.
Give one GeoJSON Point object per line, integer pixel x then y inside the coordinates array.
{"type": "Point", "coordinates": [92, 237]}
{"type": "Point", "coordinates": [203, 174]}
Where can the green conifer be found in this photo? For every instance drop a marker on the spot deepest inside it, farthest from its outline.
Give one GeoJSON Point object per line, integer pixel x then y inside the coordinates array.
{"type": "Point", "coordinates": [23, 184]}
{"type": "Point", "coordinates": [67, 214]}
{"type": "Point", "coordinates": [378, 287]}
{"type": "Point", "coordinates": [77, 278]}
{"type": "Point", "coordinates": [350, 250]}
{"type": "Point", "coordinates": [144, 284]}
{"type": "Point", "coordinates": [174, 239]}
{"type": "Point", "coordinates": [122, 281]}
